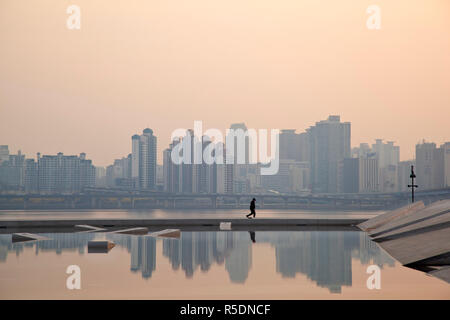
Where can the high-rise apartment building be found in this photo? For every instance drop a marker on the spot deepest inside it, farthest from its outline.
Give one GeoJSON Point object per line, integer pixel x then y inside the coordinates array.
{"type": "Point", "coordinates": [293, 146]}
{"type": "Point", "coordinates": [64, 174]}
{"type": "Point", "coordinates": [100, 177]}
{"type": "Point", "coordinates": [4, 153]}
{"type": "Point", "coordinates": [119, 173]}
{"type": "Point", "coordinates": [171, 170]}
{"type": "Point", "coordinates": [143, 160]}
{"type": "Point", "coordinates": [292, 177]}
{"type": "Point", "coordinates": [12, 171]}
{"type": "Point", "coordinates": [388, 157]}
{"type": "Point", "coordinates": [31, 176]}
{"type": "Point", "coordinates": [441, 166]}
{"type": "Point", "coordinates": [425, 162]}
{"type": "Point", "coordinates": [404, 172]}
{"type": "Point", "coordinates": [360, 175]}
{"type": "Point", "coordinates": [238, 156]}
{"type": "Point", "coordinates": [190, 177]}
{"type": "Point", "coordinates": [386, 153]}
{"type": "Point", "coordinates": [181, 175]}
{"type": "Point", "coordinates": [446, 164]}
{"type": "Point", "coordinates": [329, 143]}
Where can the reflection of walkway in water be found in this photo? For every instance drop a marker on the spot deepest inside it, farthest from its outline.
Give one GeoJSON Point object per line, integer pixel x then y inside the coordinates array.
{"type": "Point", "coordinates": [323, 256]}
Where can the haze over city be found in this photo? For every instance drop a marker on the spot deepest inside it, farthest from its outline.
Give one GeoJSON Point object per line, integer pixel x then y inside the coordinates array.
{"type": "Point", "coordinates": [234, 153]}
{"type": "Point", "coordinates": [162, 65]}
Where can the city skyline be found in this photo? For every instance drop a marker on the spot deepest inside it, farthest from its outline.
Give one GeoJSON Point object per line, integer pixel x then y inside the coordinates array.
{"type": "Point", "coordinates": [284, 66]}
{"type": "Point", "coordinates": [319, 160]}
{"type": "Point", "coordinates": [14, 149]}
{"type": "Point", "coordinates": [223, 151]}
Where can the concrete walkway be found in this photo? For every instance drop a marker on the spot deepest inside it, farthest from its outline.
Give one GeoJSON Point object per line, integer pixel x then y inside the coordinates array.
{"type": "Point", "coordinates": [174, 223]}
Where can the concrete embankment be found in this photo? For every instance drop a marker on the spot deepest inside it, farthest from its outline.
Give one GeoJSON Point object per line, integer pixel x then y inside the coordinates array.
{"type": "Point", "coordinates": [190, 222]}
{"type": "Point", "coordinates": [417, 236]}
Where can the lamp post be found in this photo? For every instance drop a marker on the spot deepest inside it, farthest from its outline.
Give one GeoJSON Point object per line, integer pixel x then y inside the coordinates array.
{"type": "Point", "coordinates": [412, 185]}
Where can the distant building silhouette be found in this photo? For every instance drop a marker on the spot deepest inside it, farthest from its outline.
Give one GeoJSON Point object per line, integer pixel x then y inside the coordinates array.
{"type": "Point", "coordinates": [12, 171]}
{"type": "Point", "coordinates": [293, 146]}
{"type": "Point", "coordinates": [143, 160]}
{"type": "Point", "coordinates": [388, 157]}
{"type": "Point", "coordinates": [360, 175]}
{"type": "Point", "coordinates": [404, 171]}
{"type": "Point", "coordinates": [197, 177]}
{"type": "Point", "coordinates": [433, 165]}
{"type": "Point", "coordinates": [119, 173]}
{"type": "Point", "coordinates": [292, 177]}
{"type": "Point", "coordinates": [329, 143]}
{"type": "Point", "coordinates": [48, 174]}
{"type": "Point", "coordinates": [378, 167]}
{"type": "Point", "coordinates": [4, 153]}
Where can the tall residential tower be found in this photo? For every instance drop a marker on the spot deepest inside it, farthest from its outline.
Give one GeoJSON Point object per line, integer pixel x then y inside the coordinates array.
{"type": "Point", "coordinates": [143, 160]}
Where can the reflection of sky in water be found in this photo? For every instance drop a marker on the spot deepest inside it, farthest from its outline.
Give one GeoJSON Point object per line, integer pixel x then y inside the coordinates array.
{"type": "Point", "coordinates": [325, 257]}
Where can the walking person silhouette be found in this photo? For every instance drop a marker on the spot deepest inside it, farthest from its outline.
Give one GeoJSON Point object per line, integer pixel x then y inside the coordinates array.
{"type": "Point", "coordinates": [252, 209]}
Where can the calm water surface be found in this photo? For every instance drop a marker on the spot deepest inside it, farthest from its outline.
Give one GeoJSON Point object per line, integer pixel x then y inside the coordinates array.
{"type": "Point", "coordinates": [210, 265]}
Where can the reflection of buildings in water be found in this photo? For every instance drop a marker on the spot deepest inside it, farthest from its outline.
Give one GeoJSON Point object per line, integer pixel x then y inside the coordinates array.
{"type": "Point", "coordinates": [187, 254]}
{"type": "Point", "coordinates": [202, 249]}
{"type": "Point", "coordinates": [58, 242]}
{"type": "Point", "coordinates": [3, 252]}
{"type": "Point", "coordinates": [239, 261]}
{"type": "Point", "coordinates": [325, 257]}
{"type": "Point", "coordinates": [136, 253]}
{"type": "Point", "coordinates": [370, 253]}
{"type": "Point", "coordinates": [142, 252]}
{"type": "Point", "coordinates": [192, 251]}
{"type": "Point", "coordinates": [322, 256]}
{"type": "Point", "coordinates": [148, 256]}
{"type": "Point", "coordinates": [203, 243]}
{"type": "Point", "coordinates": [171, 249]}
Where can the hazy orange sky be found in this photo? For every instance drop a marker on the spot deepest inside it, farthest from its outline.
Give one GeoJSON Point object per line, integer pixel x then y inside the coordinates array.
{"type": "Point", "coordinates": [271, 64]}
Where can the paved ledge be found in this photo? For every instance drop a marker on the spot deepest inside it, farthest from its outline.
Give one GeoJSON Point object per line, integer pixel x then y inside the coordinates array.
{"type": "Point", "coordinates": [22, 237]}
{"type": "Point", "coordinates": [416, 219]}
{"type": "Point", "coordinates": [416, 236]}
{"type": "Point", "coordinates": [414, 248]}
{"type": "Point", "coordinates": [389, 217]}
{"type": "Point", "coordinates": [187, 229]}
{"type": "Point", "coordinates": [209, 222]}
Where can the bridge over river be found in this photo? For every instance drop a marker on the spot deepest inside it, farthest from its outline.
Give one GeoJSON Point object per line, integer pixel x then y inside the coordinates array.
{"type": "Point", "coordinates": [94, 198]}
